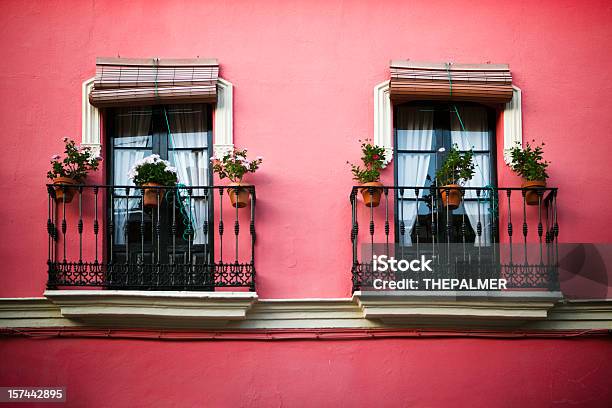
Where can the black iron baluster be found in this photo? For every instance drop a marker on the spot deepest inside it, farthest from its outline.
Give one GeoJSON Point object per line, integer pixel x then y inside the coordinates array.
{"type": "Point", "coordinates": [463, 230]}
{"type": "Point", "coordinates": [206, 226]}
{"type": "Point", "coordinates": [142, 225]}
{"type": "Point", "coordinates": [493, 198]}
{"type": "Point", "coordinates": [371, 191]}
{"type": "Point", "coordinates": [221, 228]}
{"type": "Point", "coordinates": [525, 227]}
{"type": "Point", "coordinates": [253, 237]}
{"type": "Point", "coordinates": [448, 225]}
{"type": "Point", "coordinates": [508, 194]}
{"type": "Point", "coordinates": [433, 194]}
{"type": "Point", "coordinates": [417, 224]}
{"type": "Point", "coordinates": [252, 226]}
{"type": "Point", "coordinates": [96, 226]}
{"type": "Point", "coordinates": [387, 228]}
{"type": "Point", "coordinates": [64, 223]}
{"type": "Point", "coordinates": [111, 224]}
{"type": "Point", "coordinates": [157, 270]}
{"type": "Point", "coordinates": [80, 224]}
{"type": "Point", "coordinates": [50, 225]}
{"type": "Point", "coordinates": [236, 229]}
{"type": "Point", "coordinates": [190, 230]}
{"type": "Point", "coordinates": [540, 227]}
{"type": "Point", "coordinates": [158, 226]}
{"type": "Point", "coordinates": [479, 226]}
{"type": "Point", "coordinates": [556, 229]}
{"type": "Point", "coordinates": [354, 224]}
{"type": "Point", "coordinates": [402, 224]}
{"type": "Point", "coordinates": [174, 229]}
{"type": "Point", "coordinates": [125, 227]}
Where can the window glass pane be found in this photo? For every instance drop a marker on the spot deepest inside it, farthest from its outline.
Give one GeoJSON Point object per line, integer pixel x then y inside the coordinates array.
{"type": "Point", "coordinates": [132, 128]}
{"type": "Point", "coordinates": [191, 166]}
{"type": "Point", "coordinates": [475, 132]}
{"type": "Point", "coordinates": [413, 169]}
{"type": "Point", "coordinates": [414, 127]}
{"type": "Point", "coordinates": [187, 126]}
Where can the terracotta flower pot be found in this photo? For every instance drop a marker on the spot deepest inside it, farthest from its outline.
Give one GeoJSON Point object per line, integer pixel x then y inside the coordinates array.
{"type": "Point", "coordinates": [64, 193]}
{"type": "Point", "coordinates": [371, 197]}
{"type": "Point", "coordinates": [238, 197]}
{"type": "Point", "coordinates": [150, 194]}
{"type": "Point", "coordinates": [452, 200]}
{"type": "Point", "coordinates": [531, 195]}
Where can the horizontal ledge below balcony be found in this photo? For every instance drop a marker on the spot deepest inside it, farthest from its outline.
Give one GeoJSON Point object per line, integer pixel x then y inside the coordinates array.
{"type": "Point", "coordinates": [449, 308]}
{"type": "Point", "coordinates": [118, 308]}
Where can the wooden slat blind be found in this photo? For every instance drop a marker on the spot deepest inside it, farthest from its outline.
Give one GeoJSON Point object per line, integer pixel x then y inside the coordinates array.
{"type": "Point", "coordinates": [488, 83]}
{"type": "Point", "coordinates": [129, 81]}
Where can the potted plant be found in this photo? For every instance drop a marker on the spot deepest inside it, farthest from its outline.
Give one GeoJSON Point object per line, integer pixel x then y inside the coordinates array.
{"type": "Point", "coordinates": [234, 165]}
{"type": "Point", "coordinates": [454, 172]}
{"type": "Point", "coordinates": [528, 162]}
{"type": "Point", "coordinates": [72, 169]}
{"type": "Point", "coordinates": [373, 158]}
{"type": "Point", "coordinates": [152, 171]}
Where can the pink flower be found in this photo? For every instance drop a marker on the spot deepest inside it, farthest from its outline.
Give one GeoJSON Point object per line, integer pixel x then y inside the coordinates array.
{"type": "Point", "coordinates": [376, 157]}
{"type": "Point", "coordinates": [55, 157]}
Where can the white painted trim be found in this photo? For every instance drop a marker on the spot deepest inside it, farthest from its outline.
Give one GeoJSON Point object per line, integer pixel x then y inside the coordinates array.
{"type": "Point", "coordinates": [448, 310]}
{"type": "Point", "coordinates": [513, 123]}
{"type": "Point", "coordinates": [182, 310]}
{"type": "Point", "coordinates": [90, 119]}
{"type": "Point", "coordinates": [224, 118]}
{"type": "Point", "coordinates": [119, 307]}
{"type": "Point", "coordinates": [223, 131]}
{"type": "Point", "coordinates": [383, 125]}
{"type": "Point", "coordinates": [383, 121]}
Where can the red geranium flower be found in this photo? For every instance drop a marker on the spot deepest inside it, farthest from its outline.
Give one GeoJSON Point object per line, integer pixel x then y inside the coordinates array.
{"type": "Point", "coordinates": [376, 157]}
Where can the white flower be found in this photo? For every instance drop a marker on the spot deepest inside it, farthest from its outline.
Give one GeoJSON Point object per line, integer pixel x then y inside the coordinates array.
{"type": "Point", "coordinates": [55, 157]}
{"type": "Point", "coordinates": [441, 150]}
{"type": "Point", "coordinates": [171, 169]}
{"type": "Point", "coordinates": [259, 158]}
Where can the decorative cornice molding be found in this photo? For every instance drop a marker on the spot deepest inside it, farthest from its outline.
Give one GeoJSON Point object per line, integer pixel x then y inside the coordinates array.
{"type": "Point", "coordinates": [223, 310]}
{"type": "Point", "coordinates": [451, 309]}
{"type": "Point", "coordinates": [152, 307]}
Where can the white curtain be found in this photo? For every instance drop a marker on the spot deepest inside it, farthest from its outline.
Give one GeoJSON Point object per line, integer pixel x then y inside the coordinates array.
{"type": "Point", "coordinates": [414, 127]}
{"type": "Point", "coordinates": [476, 137]}
{"type": "Point", "coordinates": [187, 130]}
{"type": "Point", "coordinates": [131, 130]}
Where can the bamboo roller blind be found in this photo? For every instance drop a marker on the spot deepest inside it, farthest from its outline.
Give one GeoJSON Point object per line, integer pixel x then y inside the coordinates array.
{"type": "Point", "coordinates": [129, 81]}
{"type": "Point", "coordinates": [488, 83]}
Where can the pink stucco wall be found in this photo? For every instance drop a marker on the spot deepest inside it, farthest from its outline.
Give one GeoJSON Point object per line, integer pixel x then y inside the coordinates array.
{"type": "Point", "coordinates": [361, 373]}
{"type": "Point", "coordinates": [303, 75]}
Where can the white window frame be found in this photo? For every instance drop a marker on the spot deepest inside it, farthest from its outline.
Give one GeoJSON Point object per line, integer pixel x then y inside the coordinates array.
{"type": "Point", "coordinates": [383, 121]}
{"type": "Point", "coordinates": [223, 121]}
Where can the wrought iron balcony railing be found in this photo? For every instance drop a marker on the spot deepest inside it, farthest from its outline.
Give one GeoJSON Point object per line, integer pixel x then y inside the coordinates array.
{"type": "Point", "coordinates": [108, 237]}
{"type": "Point", "coordinates": [476, 239]}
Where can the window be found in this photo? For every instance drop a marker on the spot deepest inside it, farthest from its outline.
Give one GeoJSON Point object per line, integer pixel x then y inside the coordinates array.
{"type": "Point", "coordinates": [182, 135]}
{"type": "Point", "coordinates": [424, 134]}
